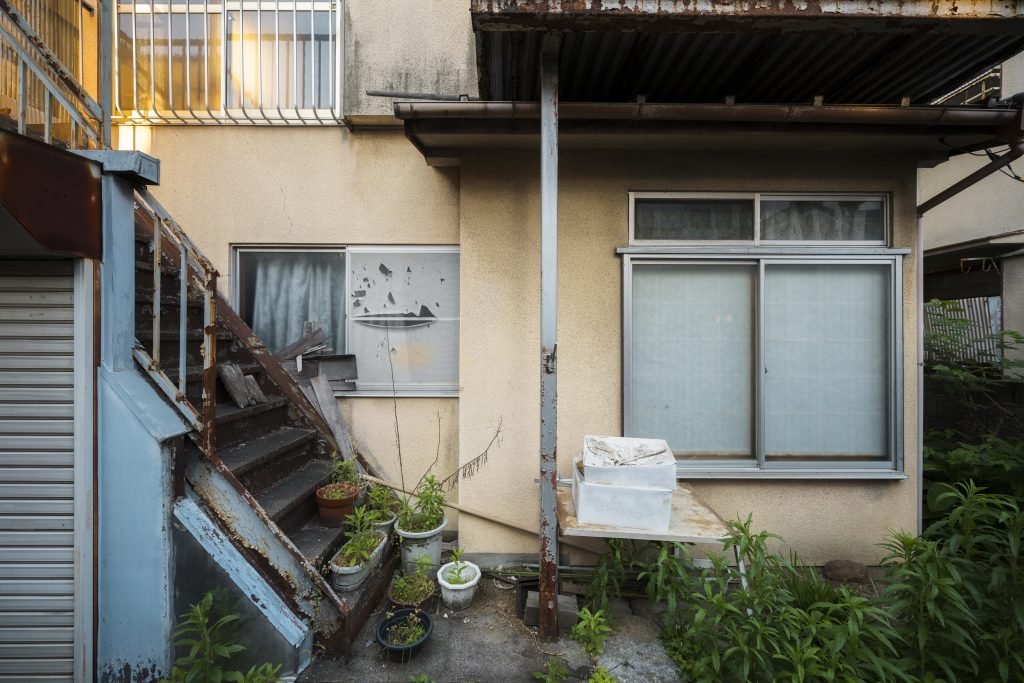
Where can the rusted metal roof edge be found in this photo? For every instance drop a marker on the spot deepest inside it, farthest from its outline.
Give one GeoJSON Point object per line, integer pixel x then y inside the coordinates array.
{"type": "Point", "coordinates": [517, 15]}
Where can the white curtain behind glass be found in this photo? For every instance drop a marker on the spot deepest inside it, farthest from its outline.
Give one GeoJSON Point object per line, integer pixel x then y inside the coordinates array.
{"type": "Point", "coordinates": [816, 220]}
{"type": "Point", "coordinates": [290, 288]}
{"type": "Point", "coordinates": [691, 358]}
{"type": "Point", "coordinates": [826, 367]}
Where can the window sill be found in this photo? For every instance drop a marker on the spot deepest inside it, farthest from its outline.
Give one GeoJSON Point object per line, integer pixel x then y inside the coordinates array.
{"type": "Point", "coordinates": [754, 473]}
{"type": "Point", "coordinates": [397, 394]}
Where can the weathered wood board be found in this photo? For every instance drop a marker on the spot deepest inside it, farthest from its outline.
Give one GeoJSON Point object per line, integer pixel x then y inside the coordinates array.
{"type": "Point", "coordinates": [243, 389]}
{"type": "Point", "coordinates": [692, 521]}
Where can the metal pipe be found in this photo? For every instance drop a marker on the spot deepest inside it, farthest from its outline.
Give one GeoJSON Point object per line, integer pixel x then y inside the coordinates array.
{"type": "Point", "coordinates": [548, 585]}
{"type": "Point", "coordinates": [157, 255]}
{"type": "Point", "coordinates": [1015, 152]}
{"type": "Point", "coordinates": [759, 113]}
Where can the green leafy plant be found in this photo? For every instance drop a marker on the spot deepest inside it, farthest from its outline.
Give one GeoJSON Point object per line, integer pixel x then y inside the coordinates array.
{"type": "Point", "coordinates": [427, 512]}
{"type": "Point", "coordinates": [455, 574]}
{"type": "Point", "coordinates": [381, 500]}
{"type": "Point", "coordinates": [358, 549]}
{"type": "Point", "coordinates": [415, 588]}
{"type": "Point", "coordinates": [346, 472]}
{"type": "Point", "coordinates": [591, 630]}
{"type": "Point", "coordinates": [554, 671]}
{"type": "Point", "coordinates": [359, 521]}
{"type": "Point", "coordinates": [406, 631]}
{"type": "Point", "coordinates": [337, 491]}
{"type": "Point", "coordinates": [601, 675]}
{"type": "Point", "coordinates": [210, 647]}
{"type": "Point", "coordinates": [420, 678]}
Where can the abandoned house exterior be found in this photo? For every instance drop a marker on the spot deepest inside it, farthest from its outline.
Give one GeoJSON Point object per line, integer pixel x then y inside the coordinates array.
{"type": "Point", "coordinates": [693, 221]}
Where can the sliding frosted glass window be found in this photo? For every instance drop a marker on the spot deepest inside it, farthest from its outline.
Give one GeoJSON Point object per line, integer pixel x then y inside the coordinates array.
{"type": "Point", "coordinates": [693, 219]}
{"type": "Point", "coordinates": [404, 319]}
{"type": "Point", "coordinates": [826, 357]}
{"type": "Point", "coordinates": [279, 291]}
{"type": "Point", "coordinates": [821, 220]}
{"type": "Point", "coordinates": [692, 358]}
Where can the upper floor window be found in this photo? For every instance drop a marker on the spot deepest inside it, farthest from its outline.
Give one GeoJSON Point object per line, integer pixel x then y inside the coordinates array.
{"type": "Point", "coordinates": [229, 61]}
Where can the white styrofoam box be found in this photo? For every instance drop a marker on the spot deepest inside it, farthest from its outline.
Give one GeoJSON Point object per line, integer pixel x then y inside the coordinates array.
{"type": "Point", "coordinates": [625, 461]}
{"type": "Point", "coordinates": [620, 506]}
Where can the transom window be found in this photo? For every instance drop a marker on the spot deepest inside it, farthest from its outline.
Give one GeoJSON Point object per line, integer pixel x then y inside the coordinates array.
{"type": "Point", "coordinates": [195, 61]}
{"type": "Point", "coordinates": [767, 360]}
{"type": "Point", "coordinates": [395, 308]}
{"type": "Point", "coordinates": [756, 218]}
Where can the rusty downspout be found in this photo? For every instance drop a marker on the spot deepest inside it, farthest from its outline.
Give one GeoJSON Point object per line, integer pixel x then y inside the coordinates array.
{"type": "Point", "coordinates": [548, 584]}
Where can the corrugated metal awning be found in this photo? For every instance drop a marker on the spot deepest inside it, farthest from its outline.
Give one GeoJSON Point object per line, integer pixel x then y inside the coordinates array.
{"type": "Point", "coordinates": [848, 52]}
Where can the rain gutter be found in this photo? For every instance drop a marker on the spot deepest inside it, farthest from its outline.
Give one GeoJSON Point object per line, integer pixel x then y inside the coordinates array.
{"type": "Point", "coordinates": [748, 113]}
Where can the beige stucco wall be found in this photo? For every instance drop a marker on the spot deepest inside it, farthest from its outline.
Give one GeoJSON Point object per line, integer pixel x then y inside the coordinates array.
{"type": "Point", "coordinates": [994, 205]}
{"type": "Point", "coordinates": [257, 185]}
{"type": "Point", "coordinates": [821, 520]}
{"type": "Point", "coordinates": [418, 46]}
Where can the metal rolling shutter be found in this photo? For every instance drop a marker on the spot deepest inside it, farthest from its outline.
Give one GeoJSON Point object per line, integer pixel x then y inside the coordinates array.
{"type": "Point", "coordinates": [37, 563]}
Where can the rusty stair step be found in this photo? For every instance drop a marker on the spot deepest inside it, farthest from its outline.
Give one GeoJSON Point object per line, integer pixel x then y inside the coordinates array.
{"type": "Point", "coordinates": [247, 455]}
{"type": "Point", "coordinates": [295, 489]}
{"type": "Point", "coordinates": [229, 412]}
{"type": "Point", "coordinates": [317, 542]}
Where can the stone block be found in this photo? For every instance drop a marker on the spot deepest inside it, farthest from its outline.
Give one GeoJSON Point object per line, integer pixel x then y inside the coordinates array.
{"type": "Point", "coordinates": [566, 610]}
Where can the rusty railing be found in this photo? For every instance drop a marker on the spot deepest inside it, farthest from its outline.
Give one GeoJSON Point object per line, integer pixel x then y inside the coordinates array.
{"type": "Point", "coordinates": [193, 268]}
{"type": "Point", "coordinates": [39, 97]}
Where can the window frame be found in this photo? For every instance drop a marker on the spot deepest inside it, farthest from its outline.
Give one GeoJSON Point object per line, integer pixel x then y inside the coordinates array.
{"type": "Point", "coordinates": [761, 254]}
{"type": "Point", "coordinates": [204, 114]}
{"type": "Point", "coordinates": [434, 391]}
{"type": "Point", "coordinates": [757, 198]}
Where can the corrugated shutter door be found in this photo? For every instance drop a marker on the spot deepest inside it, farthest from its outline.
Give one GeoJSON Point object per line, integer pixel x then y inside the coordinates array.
{"type": "Point", "coordinates": [37, 563]}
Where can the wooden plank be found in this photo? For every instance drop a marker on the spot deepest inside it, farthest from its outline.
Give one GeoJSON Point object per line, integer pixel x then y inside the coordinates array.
{"type": "Point", "coordinates": [328, 407]}
{"type": "Point", "coordinates": [310, 340]}
{"type": "Point", "coordinates": [692, 521]}
{"type": "Point", "coordinates": [243, 393]}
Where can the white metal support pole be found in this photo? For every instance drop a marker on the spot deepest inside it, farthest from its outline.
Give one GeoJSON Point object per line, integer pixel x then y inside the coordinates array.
{"type": "Point", "coordinates": [548, 584]}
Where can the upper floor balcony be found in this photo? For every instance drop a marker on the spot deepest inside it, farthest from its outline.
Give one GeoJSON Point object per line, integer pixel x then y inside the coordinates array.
{"type": "Point", "coordinates": [42, 62]}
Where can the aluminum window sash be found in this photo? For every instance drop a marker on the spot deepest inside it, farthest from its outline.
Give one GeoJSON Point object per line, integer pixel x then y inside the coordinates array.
{"type": "Point", "coordinates": [810, 253]}
{"type": "Point", "coordinates": [757, 198]}
{"type": "Point", "coordinates": [895, 349]}
{"type": "Point", "coordinates": [826, 469]}
{"type": "Point", "coordinates": [627, 348]}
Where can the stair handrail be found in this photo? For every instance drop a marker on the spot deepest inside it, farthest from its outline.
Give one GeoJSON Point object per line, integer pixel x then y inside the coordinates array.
{"type": "Point", "coordinates": [192, 266]}
{"type": "Point", "coordinates": [33, 55]}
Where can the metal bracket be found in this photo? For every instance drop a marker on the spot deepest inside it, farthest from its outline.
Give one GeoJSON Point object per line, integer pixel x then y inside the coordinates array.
{"type": "Point", "coordinates": [550, 361]}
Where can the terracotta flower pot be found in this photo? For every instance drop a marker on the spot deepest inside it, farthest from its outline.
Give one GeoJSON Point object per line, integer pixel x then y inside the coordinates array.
{"type": "Point", "coordinates": [334, 510]}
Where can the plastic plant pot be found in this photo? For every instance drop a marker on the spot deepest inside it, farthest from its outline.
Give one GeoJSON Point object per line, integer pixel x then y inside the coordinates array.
{"type": "Point", "coordinates": [345, 579]}
{"type": "Point", "coordinates": [403, 653]}
{"type": "Point", "coordinates": [418, 543]}
{"type": "Point", "coordinates": [458, 596]}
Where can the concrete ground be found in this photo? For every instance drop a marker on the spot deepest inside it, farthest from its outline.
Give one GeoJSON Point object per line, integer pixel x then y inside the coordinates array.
{"type": "Point", "coordinates": [486, 642]}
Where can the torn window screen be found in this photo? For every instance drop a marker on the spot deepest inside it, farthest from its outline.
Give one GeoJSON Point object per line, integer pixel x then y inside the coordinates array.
{"type": "Point", "coordinates": [404, 319]}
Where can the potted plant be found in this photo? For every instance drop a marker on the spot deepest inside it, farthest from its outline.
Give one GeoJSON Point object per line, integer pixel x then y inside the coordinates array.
{"type": "Point", "coordinates": [383, 507]}
{"type": "Point", "coordinates": [420, 525]}
{"type": "Point", "coordinates": [360, 554]}
{"type": "Point", "coordinates": [403, 632]}
{"type": "Point", "coordinates": [458, 580]}
{"type": "Point", "coordinates": [334, 501]}
{"type": "Point", "coordinates": [413, 590]}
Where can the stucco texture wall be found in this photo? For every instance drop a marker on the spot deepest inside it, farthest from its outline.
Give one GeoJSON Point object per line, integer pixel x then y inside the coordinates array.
{"type": "Point", "coordinates": [422, 46]}
{"type": "Point", "coordinates": [316, 186]}
{"type": "Point", "coordinates": [993, 206]}
{"type": "Point", "coordinates": [821, 520]}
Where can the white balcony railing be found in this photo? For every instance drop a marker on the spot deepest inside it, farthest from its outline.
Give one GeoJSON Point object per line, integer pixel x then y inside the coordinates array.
{"type": "Point", "coordinates": [39, 96]}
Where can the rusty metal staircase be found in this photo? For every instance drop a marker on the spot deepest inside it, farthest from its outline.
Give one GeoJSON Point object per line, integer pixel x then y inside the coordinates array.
{"type": "Point", "coordinates": [256, 468]}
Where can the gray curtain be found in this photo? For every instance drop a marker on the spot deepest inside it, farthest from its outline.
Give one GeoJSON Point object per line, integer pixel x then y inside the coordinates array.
{"type": "Point", "coordinates": [822, 220]}
{"type": "Point", "coordinates": [290, 288]}
{"type": "Point", "coordinates": [694, 219]}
